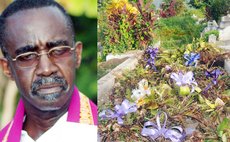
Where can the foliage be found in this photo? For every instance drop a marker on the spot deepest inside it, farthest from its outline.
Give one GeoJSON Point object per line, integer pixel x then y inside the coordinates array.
{"type": "Point", "coordinates": [207, 34]}
{"type": "Point", "coordinates": [168, 9]}
{"type": "Point", "coordinates": [223, 129]}
{"type": "Point", "coordinates": [193, 110]}
{"type": "Point", "coordinates": [180, 7]}
{"type": "Point", "coordinates": [172, 8]}
{"type": "Point", "coordinates": [198, 3]}
{"type": "Point", "coordinates": [177, 31]}
{"type": "Point", "coordinates": [214, 8]}
{"type": "Point", "coordinates": [124, 26]}
{"type": "Point", "coordinates": [219, 8]}
{"type": "Point", "coordinates": [199, 13]}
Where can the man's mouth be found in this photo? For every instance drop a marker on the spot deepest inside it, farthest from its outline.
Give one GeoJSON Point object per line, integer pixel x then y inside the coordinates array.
{"type": "Point", "coordinates": [49, 89]}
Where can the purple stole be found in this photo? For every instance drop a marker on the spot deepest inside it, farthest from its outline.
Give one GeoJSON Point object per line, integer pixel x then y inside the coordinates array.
{"type": "Point", "coordinates": [81, 110]}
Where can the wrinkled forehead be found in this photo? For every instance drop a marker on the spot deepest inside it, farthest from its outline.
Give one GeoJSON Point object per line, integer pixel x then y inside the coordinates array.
{"type": "Point", "coordinates": [37, 24]}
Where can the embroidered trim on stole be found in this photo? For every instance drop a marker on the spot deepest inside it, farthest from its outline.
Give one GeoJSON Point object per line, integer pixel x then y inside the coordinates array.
{"type": "Point", "coordinates": [8, 132]}
{"type": "Point", "coordinates": [86, 115]}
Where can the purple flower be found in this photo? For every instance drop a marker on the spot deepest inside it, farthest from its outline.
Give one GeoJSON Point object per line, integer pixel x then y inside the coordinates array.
{"type": "Point", "coordinates": [192, 59]}
{"type": "Point", "coordinates": [184, 79]}
{"type": "Point", "coordinates": [120, 110]}
{"type": "Point", "coordinates": [175, 134]}
{"type": "Point", "coordinates": [214, 75]}
{"type": "Point", "coordinates": [152, 53]}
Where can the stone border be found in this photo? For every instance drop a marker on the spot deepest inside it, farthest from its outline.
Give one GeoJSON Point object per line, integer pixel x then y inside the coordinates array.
{"type": "Point", "coordinates": [106, 83]}
{"type": "Point", "coordinates": [227, 65]}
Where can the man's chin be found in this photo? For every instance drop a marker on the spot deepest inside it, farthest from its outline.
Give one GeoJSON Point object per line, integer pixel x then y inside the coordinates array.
{"type": "Point", "coordinates": [49, 102]}
{"type": "Point", "coordinates": [49, 97]}
{"type": "Point", "coordinates": [49, 108]}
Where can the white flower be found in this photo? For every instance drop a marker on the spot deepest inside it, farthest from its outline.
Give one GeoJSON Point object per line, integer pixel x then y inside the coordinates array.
{"type": "Point", "coordinates": [144, 87]}
{"type": "Point", "coordinates": [137, 94]}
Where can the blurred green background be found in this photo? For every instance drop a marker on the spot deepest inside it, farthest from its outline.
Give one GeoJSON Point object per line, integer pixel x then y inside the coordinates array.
{"type": "Point", "coordinates": [84, 16]}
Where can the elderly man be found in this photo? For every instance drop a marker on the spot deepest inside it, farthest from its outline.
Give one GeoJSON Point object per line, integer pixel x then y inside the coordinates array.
{"type": "Point", "coordinates": [40, 55]}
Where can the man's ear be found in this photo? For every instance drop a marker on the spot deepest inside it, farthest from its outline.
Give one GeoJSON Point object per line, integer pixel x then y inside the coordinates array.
{"type": "Point", "coordinates": [78, 51]}
{"type": "Point", "coordinates": [4, 64]}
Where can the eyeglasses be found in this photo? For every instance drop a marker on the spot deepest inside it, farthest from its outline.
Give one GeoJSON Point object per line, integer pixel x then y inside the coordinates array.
{"type": "Point", "coordinates": [31, 59]}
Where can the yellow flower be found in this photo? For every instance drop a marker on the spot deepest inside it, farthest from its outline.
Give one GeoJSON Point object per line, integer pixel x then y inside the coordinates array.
{"type": "Point", "coordinates": [132, 9]}
{"type": "Point", "coordinates": [117, 5]}
{"type": "Point", "coordinates": [141, 102]}
{"type": "Point", "coordinates": [218, 102]}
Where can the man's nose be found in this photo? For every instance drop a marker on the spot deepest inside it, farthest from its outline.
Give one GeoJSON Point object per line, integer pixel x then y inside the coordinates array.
{"type": "Point", "coordinates": [45, 66]}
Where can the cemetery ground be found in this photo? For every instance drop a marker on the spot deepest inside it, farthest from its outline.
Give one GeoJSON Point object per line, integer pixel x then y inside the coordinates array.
{"type": "Point", "coordinates": [191, 95]}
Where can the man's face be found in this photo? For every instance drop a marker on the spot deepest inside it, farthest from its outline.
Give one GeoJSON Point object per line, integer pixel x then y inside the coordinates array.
{"type": "Point", "coordinates": [48, 85]}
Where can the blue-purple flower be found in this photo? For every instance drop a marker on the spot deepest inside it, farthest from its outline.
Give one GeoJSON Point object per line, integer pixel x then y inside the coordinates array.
{"type": "Point", "coordinates": [152, 130]}
{"type": "Point", "coordinates": [214, 75]}
{"type": "Point", "coordinates": [191, 59]}
{"type": "Point", "coordinates": [120, 111]}
{"type": "Point", "coordinates": [152, 53]}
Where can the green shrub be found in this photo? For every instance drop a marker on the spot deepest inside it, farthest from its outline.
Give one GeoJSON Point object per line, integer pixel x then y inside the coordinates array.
{"type": "Point", "coordinates": [214, 8]}
{"type": "Point", "coordinates": [199, 13]}
{"type": "Point", "coordinates": [124, 26]}
{"type": "Point", "coordinates": [177, 31]}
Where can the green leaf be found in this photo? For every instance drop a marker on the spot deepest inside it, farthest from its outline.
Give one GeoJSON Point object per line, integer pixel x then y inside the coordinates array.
{"type": "Point", "coordinates": [224, 125]}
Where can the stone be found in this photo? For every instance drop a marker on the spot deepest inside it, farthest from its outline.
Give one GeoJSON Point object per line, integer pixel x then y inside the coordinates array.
{"type": "Point", "coordinates": [212, 38]}
{"type": "Point", "coordinates": [225, 21]}
{"type": "Point", "coordinates": [227, 65]}
{"type": "Point", "coordinates": [224, 24]}
{"type": "Point", "coordinates": [224, 39]}
{"type": "Point", "coordinates": [120, 56]}
{"type": "Point", "coordinates": [225, 18]}
{"type": "Point", "coordinates": [107, 82]}
{"type": "Point", "coordinates": [224, 34]}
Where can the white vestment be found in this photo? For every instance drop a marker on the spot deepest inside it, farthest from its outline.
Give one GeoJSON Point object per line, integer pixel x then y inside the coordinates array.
{"type": "Point", "coordinates": [64, 131]}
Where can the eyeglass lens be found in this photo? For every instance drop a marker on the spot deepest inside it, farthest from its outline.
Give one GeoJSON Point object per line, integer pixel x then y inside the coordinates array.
{"type": "Point", "coordinates": [32, 58]}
